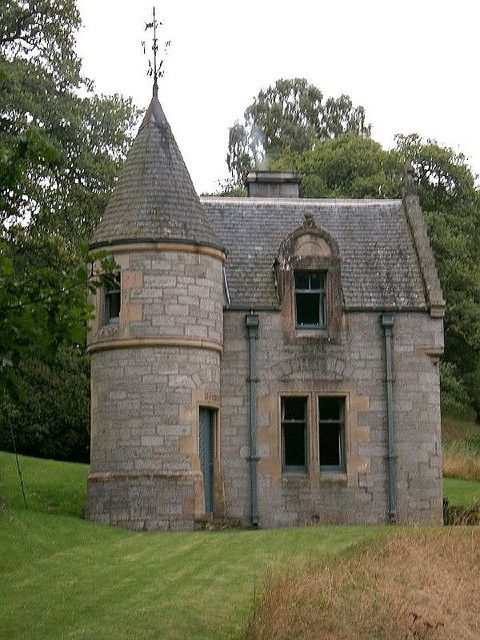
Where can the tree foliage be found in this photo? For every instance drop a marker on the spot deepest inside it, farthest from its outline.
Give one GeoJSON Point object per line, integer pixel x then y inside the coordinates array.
{"type": "Point", "coordinates": [61, 146]}
{"type": "Point", "coordinates": [290, 114]}
{"type": "Point", "coordinates": [60, 143]}
{"type": "Point", "coordinates": [349, 165]}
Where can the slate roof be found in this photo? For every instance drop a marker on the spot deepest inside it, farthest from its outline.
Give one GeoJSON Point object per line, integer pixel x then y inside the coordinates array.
{"type": "Point", "coordinates": [379, 267]}
{"type": "Point", "coordinates": [154, 199]}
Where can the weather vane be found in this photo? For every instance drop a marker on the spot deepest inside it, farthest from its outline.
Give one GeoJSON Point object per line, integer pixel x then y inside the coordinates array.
{"type": "Point", "coordinates": [155, 71]}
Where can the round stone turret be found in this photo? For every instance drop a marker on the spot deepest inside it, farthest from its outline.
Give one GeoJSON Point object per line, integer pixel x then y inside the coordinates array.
{"type": "Point", "coordinates": [155, 342]}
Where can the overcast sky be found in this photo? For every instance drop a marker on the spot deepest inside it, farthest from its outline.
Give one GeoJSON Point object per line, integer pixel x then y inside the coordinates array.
{"type": "Point", "coordinates": [413, 65]}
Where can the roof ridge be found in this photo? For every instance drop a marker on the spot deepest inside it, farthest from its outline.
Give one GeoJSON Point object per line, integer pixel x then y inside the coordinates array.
{"type": "Point", "coordinates": [305, 202]}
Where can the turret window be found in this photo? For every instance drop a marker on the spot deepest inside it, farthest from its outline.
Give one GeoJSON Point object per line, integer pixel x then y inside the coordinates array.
{"type": "Point", "coordinates": [112, 298]}
{"type": "Point", "coordinates": [310, 300]}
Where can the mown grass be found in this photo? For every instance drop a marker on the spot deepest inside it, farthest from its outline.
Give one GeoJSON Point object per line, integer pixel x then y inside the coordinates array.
{"type": "Point", "coordinates": [462, 493]}
{"type": "Point", "coordinates": [62, 577]}
{"type": "Point", "coordinates": [50, 486]}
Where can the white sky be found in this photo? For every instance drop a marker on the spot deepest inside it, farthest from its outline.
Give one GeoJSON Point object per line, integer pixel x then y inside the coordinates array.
{"type": "Point", "coordinates": [412, 64]}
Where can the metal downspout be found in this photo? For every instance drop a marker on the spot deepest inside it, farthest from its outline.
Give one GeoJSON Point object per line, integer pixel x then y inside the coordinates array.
{"type": "Point", "coordinates": [251, 322]}
{"type": "Point", "coordinates": [387, 324]}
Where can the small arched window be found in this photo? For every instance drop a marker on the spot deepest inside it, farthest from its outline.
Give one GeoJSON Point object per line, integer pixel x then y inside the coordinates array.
{"type": "Point", "coordinates": [308, 280]}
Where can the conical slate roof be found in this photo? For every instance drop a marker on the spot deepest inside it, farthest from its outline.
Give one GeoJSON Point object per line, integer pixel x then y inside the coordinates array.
{"type": "Point", "coordinates": [154, 199]}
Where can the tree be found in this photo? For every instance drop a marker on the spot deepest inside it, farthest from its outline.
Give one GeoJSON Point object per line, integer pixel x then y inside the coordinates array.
{"type": "Point", "coordinates": [349, 165]}
{"type": "Point", "coordinates": [61, 147]}
{"type": "Point", "coordinates": [451, 202]}
{"type": "Point", "coordinates": [291, 114]}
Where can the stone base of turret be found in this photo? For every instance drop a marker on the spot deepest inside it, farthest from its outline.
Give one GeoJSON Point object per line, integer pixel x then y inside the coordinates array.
{"type": "Point", "coordinates": [145, 501]}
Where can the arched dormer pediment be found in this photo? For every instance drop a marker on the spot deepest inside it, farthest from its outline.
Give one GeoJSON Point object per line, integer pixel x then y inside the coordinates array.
{"type": "Point", "coordinates": [308, 278]}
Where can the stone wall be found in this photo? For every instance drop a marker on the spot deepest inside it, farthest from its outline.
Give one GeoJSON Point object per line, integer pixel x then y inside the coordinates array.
{"type": "Point", "coordinates": [151, 372]}
{"type": "Point", "coordinates": [164, 294]}
{"type": "Point", "coordinates": [353, 366]}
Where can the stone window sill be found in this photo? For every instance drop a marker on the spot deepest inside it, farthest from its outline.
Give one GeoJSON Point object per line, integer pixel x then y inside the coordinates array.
{"type": "Point", "coordinates": [334, 476]}
{"type": "Point", "coordinates": [294, 478]}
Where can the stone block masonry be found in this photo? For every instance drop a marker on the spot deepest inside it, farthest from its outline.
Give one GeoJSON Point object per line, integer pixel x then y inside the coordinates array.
{"type": "Point", "coordinates": [150, 374]}
{"type": "Point", "coordinates": [144, 466]}
{"type": "Point", "coordinates": [354, 368]}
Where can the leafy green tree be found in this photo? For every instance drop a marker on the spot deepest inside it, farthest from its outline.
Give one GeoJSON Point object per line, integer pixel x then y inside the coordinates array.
{"type": "Point", "coordinates": [61, 147]}
{"type": "Point", "coordinates": [51, 417]}
{"type": "Point", "coordinates": [290, 114]}
{"type": "Point", "coordinates": [451, 202]}
{"type": "Point", "coordinates": [349, 165]}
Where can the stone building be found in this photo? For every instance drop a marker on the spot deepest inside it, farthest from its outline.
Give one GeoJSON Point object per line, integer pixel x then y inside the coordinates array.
{"type": "Point", "coordinates": [269, 360]}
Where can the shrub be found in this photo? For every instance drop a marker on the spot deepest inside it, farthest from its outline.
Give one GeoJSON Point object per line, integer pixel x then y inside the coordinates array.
{"type": "Point", "coordinates": [50, 419]}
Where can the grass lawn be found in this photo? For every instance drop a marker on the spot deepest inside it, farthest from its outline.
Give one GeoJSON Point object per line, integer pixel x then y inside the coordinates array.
{"type": "Point", "coordinates": [461, 493]}
{"type": "Point", "coordinates": [62, 577]}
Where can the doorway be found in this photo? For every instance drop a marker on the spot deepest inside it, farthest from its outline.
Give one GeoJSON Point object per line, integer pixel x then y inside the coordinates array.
{"type": "Point", "coordinates": [206, 448]}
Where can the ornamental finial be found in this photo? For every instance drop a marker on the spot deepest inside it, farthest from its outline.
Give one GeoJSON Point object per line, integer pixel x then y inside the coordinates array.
{"type": "Point", "coordinates": [155, 71]}
{"type": "Point", "coordinates": [309, 220]}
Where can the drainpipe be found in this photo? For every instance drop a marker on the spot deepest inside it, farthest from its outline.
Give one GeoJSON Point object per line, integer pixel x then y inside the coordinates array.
{"type": "Point", "coordinates": [387, 324]}
{"type": "Point", "coordinates": [251, 322]}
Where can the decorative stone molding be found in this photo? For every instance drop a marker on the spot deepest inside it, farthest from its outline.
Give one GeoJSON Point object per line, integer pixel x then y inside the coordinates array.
{"type": "Point", "coordinates": [161, 245]}
{"type": "Point", "coordinates": [310, 248]}
{"type": "Point", "coordinates": [166, 341]}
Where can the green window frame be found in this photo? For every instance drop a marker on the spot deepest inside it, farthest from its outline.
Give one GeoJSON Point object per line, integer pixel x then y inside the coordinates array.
{"type": "Point", "coordinates": [310, 300]}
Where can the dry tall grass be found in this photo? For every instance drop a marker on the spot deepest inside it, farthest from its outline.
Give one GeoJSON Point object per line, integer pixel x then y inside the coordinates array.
{"type": "Point", "coordinates": [461, 460]}
{"type": "Point", "coordinates": [416, 585]}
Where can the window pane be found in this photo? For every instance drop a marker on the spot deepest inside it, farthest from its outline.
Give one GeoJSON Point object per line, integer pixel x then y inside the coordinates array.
{"type": "Point", "coordinates": [294, 411]}
{"type": "Point", "coordinates": [112, 297]}
{"type": "Point", "coordinates": [331, 434]}
{"type": "Point", "coordinates": [308, 308]}
{"type": "Point", "coordinates": [302, 280]}
{"type": "Point", "coordinates": [113, 304]}
{"type": "Point", "coordinates": [330, 408]}
{"type": "Point", "coordinates": [330, 443]}
{"type": "Point", "coordinates": [317, 280]}
{"type": "Point", "coordinates": [294, 444]}
{"type": "Point", "coordinates": [294, 408]}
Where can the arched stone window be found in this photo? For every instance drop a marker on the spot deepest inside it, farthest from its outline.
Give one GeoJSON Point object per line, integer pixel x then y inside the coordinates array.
{"type": "Point", "coordinates": [307, 273]}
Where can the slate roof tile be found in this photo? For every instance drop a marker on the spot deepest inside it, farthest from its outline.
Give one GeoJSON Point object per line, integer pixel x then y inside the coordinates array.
{"type": "Point", "coordinates": [154, 198]}
{"type": "Point", "coordinates": [379, 265]}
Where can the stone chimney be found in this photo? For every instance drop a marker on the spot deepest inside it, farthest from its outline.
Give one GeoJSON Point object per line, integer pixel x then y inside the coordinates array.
{"type": "Point", "coordinates": [273, 184]}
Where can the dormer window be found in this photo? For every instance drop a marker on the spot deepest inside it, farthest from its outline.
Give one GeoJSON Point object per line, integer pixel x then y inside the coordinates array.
{"type": "Point", "coordinates": [307, 277]}
{"type": "Point", "coordinates": [112, 289]}
{"type": "Point", "coordinates": [310, 300]}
